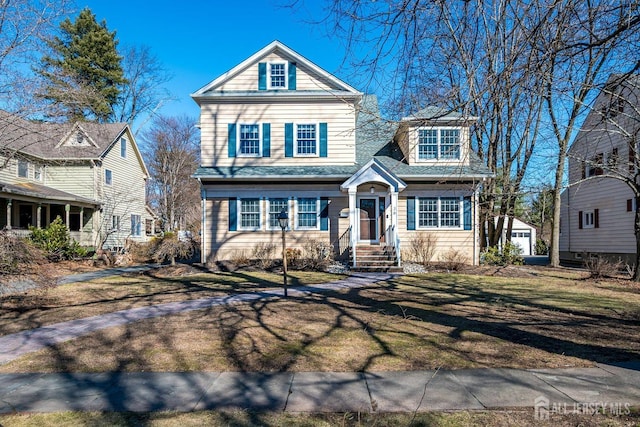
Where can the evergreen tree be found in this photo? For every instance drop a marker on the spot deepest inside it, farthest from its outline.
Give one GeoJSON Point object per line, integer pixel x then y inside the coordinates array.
{"type": "Point", "coordinates": [83, 75]}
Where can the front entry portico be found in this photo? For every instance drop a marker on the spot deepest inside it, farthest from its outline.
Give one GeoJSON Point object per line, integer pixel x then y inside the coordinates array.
{"type": "Point", "coordinates": [373, 214]}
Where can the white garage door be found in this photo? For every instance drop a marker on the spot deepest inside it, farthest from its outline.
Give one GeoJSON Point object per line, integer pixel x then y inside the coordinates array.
{"type": "Point", "coordinates": [522, 239]}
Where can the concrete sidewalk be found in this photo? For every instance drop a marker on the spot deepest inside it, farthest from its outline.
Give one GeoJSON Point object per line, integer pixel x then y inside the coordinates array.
{"type": "Point", "coordinates": [473, 389]}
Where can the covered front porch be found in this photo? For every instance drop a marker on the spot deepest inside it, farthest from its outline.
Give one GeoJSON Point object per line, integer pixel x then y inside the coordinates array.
{"type": "Point", "coordinates": [32, 205]}
{"type": "Point", "coordinates": [372, 235]}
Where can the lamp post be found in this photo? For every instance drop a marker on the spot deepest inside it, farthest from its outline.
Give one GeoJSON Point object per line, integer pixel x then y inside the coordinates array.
{"type": "Point", "coordinates": [283, 221]}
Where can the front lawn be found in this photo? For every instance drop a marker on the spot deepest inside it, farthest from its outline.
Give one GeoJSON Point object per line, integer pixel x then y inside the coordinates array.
{"type": "Point", "coordinates": [544, 319]}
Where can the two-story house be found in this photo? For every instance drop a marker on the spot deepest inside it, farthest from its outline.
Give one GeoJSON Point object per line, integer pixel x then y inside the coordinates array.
{"type": "Point", "coordinates": [90, 175]}
{"type": "Point", "coordinates": [278, 132]}
{"type": "Point", "coordinates": [598, 207]}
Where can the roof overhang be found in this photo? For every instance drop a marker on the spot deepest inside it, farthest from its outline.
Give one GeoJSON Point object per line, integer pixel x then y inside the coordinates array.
{"type": "Point", "coordinates": [373, 171]}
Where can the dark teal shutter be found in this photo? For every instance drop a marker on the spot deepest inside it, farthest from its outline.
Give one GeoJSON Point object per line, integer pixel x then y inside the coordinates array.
{"type": "Point", "coordinates": [266, 140]}
{"type": "Point", "coordinates": [411, 213]}
{"type": "Point", "coordinates": [262, 76]}
{"type": "Point", "coordinates": [467, 213]}
{"type": "Point", "coordinates": [288, 139]}
{"type": "Point", "coordinates": [233, 214]}
{"type": "Point", "coordinates": [292, 76]}
{"type": "Point", "coordinates": [232, 139]}
{"type": "Point", "coordinates": [323, 140]}
{"type": "Point", "coordinates": [324, 213]}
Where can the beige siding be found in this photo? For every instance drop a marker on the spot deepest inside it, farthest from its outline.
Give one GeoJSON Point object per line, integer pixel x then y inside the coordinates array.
{"type": "Point", "coordinates": [74, 179]}
{"type": "Point", "coordinates": [339, 116]}
{"type": "Point", "coordinates": [126, 196]}
{"type": "Point", "coordinates": [247, 80]}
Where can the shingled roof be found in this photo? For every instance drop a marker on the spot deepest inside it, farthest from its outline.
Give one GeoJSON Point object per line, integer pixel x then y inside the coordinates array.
{"type": "Point", "coordinates": [44, 140]}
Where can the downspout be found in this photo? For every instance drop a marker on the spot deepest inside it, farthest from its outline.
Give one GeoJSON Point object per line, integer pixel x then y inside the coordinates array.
{"type": "Point", "coordinates": [476, 221]}
{"type": "Point", "coordinates": [203, 196]}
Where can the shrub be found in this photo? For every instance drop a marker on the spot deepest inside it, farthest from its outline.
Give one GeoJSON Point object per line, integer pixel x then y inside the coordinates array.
{"type": "Point", "coordinates": [453, 259]}
{"type": "Point", "coordinates": [422, 247]}
{"type": "Point", "coordinates": [171, 248]}
{"type": "Point", "coordinates": [317, 254]}
{"type": "Point", "coordinates": [20, 260]}
{"type": "Point", "coordinates": [240, 258]}
{"type": "Point", "coordinates": [263, 254]}
{"type": "Point", "coordinates": [541, 247]}
{"type": "Point", "coordinates": [510, 254]}
{"type": "Point", "coordinates": [55, 241]}
{"type": "Point", "coordinates": [293, 256]}
{"type": "Point", "coordinates": [600, 267]}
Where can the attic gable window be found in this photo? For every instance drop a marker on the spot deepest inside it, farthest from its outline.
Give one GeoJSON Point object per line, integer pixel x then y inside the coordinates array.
{"type": "Point", "coordinates": [123, 148]}
{"type": "Point", "coordinates": [439, 143]}
{"type": "Point", "coordinates": [277, 76]}
{"type": "Point", "coordinates": [79, 138]}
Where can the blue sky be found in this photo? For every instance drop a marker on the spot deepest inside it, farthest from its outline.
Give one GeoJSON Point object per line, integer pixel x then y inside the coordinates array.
{"type": "Point", "coordinates": [198, 40]}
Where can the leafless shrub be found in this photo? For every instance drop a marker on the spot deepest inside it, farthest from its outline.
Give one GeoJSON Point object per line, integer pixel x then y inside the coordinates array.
{"type": "Point", "coordinates": [422, 247]}
{"type": "Point", "coordinates": [171, 248]}
{"type": "Point", "coordinates": [240, 258]}
{"type": "Point", "coordinates": [263, 254]}
{"type": "Point", "coordinates": [317, 254]}
{"type": "Point", "coordinates": [21, 262]}
{"type": "Point", "coordinates": [600, 267]}
{"type": "Point", "coordinates": [453, 259]}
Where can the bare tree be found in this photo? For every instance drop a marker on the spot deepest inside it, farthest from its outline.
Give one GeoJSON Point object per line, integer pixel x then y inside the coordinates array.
{"type": "Point", "coordinates": [144, 92]}
{"type": "Point", "coordinates": [171, 147]}
{"type": "Point", "coordinates": [580, 45]}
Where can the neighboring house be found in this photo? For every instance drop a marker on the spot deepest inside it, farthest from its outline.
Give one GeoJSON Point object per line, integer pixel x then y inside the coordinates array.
{"type": "Point", "coordinates": [597, 214]}
{"type": "Point", "coordinates": [278, 132]}
{"type": "Point", "coordinates": [90, 175]}
{"type": "Point", "coordinates": [523, 235]}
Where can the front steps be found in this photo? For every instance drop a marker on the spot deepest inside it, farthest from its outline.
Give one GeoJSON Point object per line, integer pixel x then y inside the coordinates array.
{"type": "Point", "coordinates": [375, 259]}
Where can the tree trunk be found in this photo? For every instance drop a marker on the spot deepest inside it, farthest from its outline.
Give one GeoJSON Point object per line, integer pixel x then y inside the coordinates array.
{"type": "Point", "coordinates": [554, 249]}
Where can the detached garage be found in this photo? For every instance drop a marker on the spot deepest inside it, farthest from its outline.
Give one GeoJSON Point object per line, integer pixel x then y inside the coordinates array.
{"type": "Point", "coordinates": [523, 235]}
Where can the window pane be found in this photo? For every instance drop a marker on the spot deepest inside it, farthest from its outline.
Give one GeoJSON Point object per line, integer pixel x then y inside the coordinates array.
{"type": "Point", "coordinates": [427, 144]}
{"type": "Point", "coordinates": [277, 75]}
{"type": "Point", "coordinates": [307, 214]}
{"type": "Point", "coordinates": [123, 147]}
{"type": "Point", "coordinates": [250, 213]}
{"type": "Point", "coordinates": [23, 168]}
{"type": "Point", "coordinates": [450, 212]}
{"type": "Point", "coordinates": [306, 138]}
{"type": "Point", "coordinates": [275, 207]}
{"type": "Point", "coordinates": [107, 177]}
{"type": "Point", "coordinates": [428, 212]}
{"type": "Point", "coordinates": [449, 144]}
{"type": "Point", "coordinates": [250, 139]}
{"type": "Point", "coordinates": [135, 225]}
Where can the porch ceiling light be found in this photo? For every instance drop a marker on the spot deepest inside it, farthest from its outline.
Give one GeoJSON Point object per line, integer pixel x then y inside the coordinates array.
{"type": "Point", "coordinates": [372, 189]}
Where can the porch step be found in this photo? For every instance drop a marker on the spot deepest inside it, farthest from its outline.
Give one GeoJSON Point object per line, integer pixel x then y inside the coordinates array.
{"type": "Point", "coordinates": [376, 259]}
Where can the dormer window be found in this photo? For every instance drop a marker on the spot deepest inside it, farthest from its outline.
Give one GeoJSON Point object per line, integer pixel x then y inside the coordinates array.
{"type": "Point", "coordinates": [439, 143]}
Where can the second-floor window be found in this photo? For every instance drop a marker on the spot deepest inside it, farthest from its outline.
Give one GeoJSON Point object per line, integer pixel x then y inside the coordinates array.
{"type": "Point", "coordinates": [108, 177]}
{"type": "Point", "coordinates": [123, 148]}
{"type": "Point", "coordinates": [37, 173]}
{"type": "Point", "coordinates": [249, 140]}
{"type": "Point", "coordinates": [23, 168]}
{"type": "Point", "coordinates": [306, 140]}
{"type": "Point", "coordinates": [440, 143]}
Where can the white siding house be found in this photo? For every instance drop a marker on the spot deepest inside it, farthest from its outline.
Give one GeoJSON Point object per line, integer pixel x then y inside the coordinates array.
{"type": "Point", "coordinates": [90, 175]}
{"type": "Point", "coordinates": [278, 132]}
{"type": "Point", "coordinates": [598, 208]}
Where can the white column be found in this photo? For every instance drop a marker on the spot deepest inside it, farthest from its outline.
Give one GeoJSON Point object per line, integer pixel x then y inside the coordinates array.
{"type": "Point", "coordinates": [353, 219]}
{"type": "Point", "coordinates": [9, 213]}
{"type": "Point", "coordinates": [39, 216]}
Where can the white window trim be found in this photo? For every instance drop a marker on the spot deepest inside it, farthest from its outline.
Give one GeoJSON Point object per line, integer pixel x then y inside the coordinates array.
{"type": "Point", "coordinates": [38, 169]}
{"type": "Point", "coordinates": [438, 130]}
{"type": "Point", "coordinates": [239, 214]}
{"type": "Point", "coordinates": [268, 213]}
{"type": "Point", "coordinates": [295, 140]}
{"type": "Point", "coordinates": [123, 143]}
{"type": "Point", "coordinates": [139, 225]}
{"type": "Point", "coordinates": [238, 142]}
{"type": "Point", "coordinates": [27, 176]}
{"type": "Point", "coordinates": [416, 209]}
{"type": "Point", "coordinates": [585, 216]}
{"type": "Point", "coordinates": [286, 75]}
{"type": "Point", "coordinates": [297, 226]}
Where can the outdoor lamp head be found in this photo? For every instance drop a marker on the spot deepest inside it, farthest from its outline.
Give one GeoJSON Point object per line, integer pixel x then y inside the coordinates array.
{"type": "Point", "coordinates": [283, 219]}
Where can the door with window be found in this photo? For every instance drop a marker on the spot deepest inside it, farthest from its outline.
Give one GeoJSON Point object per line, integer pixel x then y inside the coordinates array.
{"type": "Point", "coordinates": [368, 220]}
